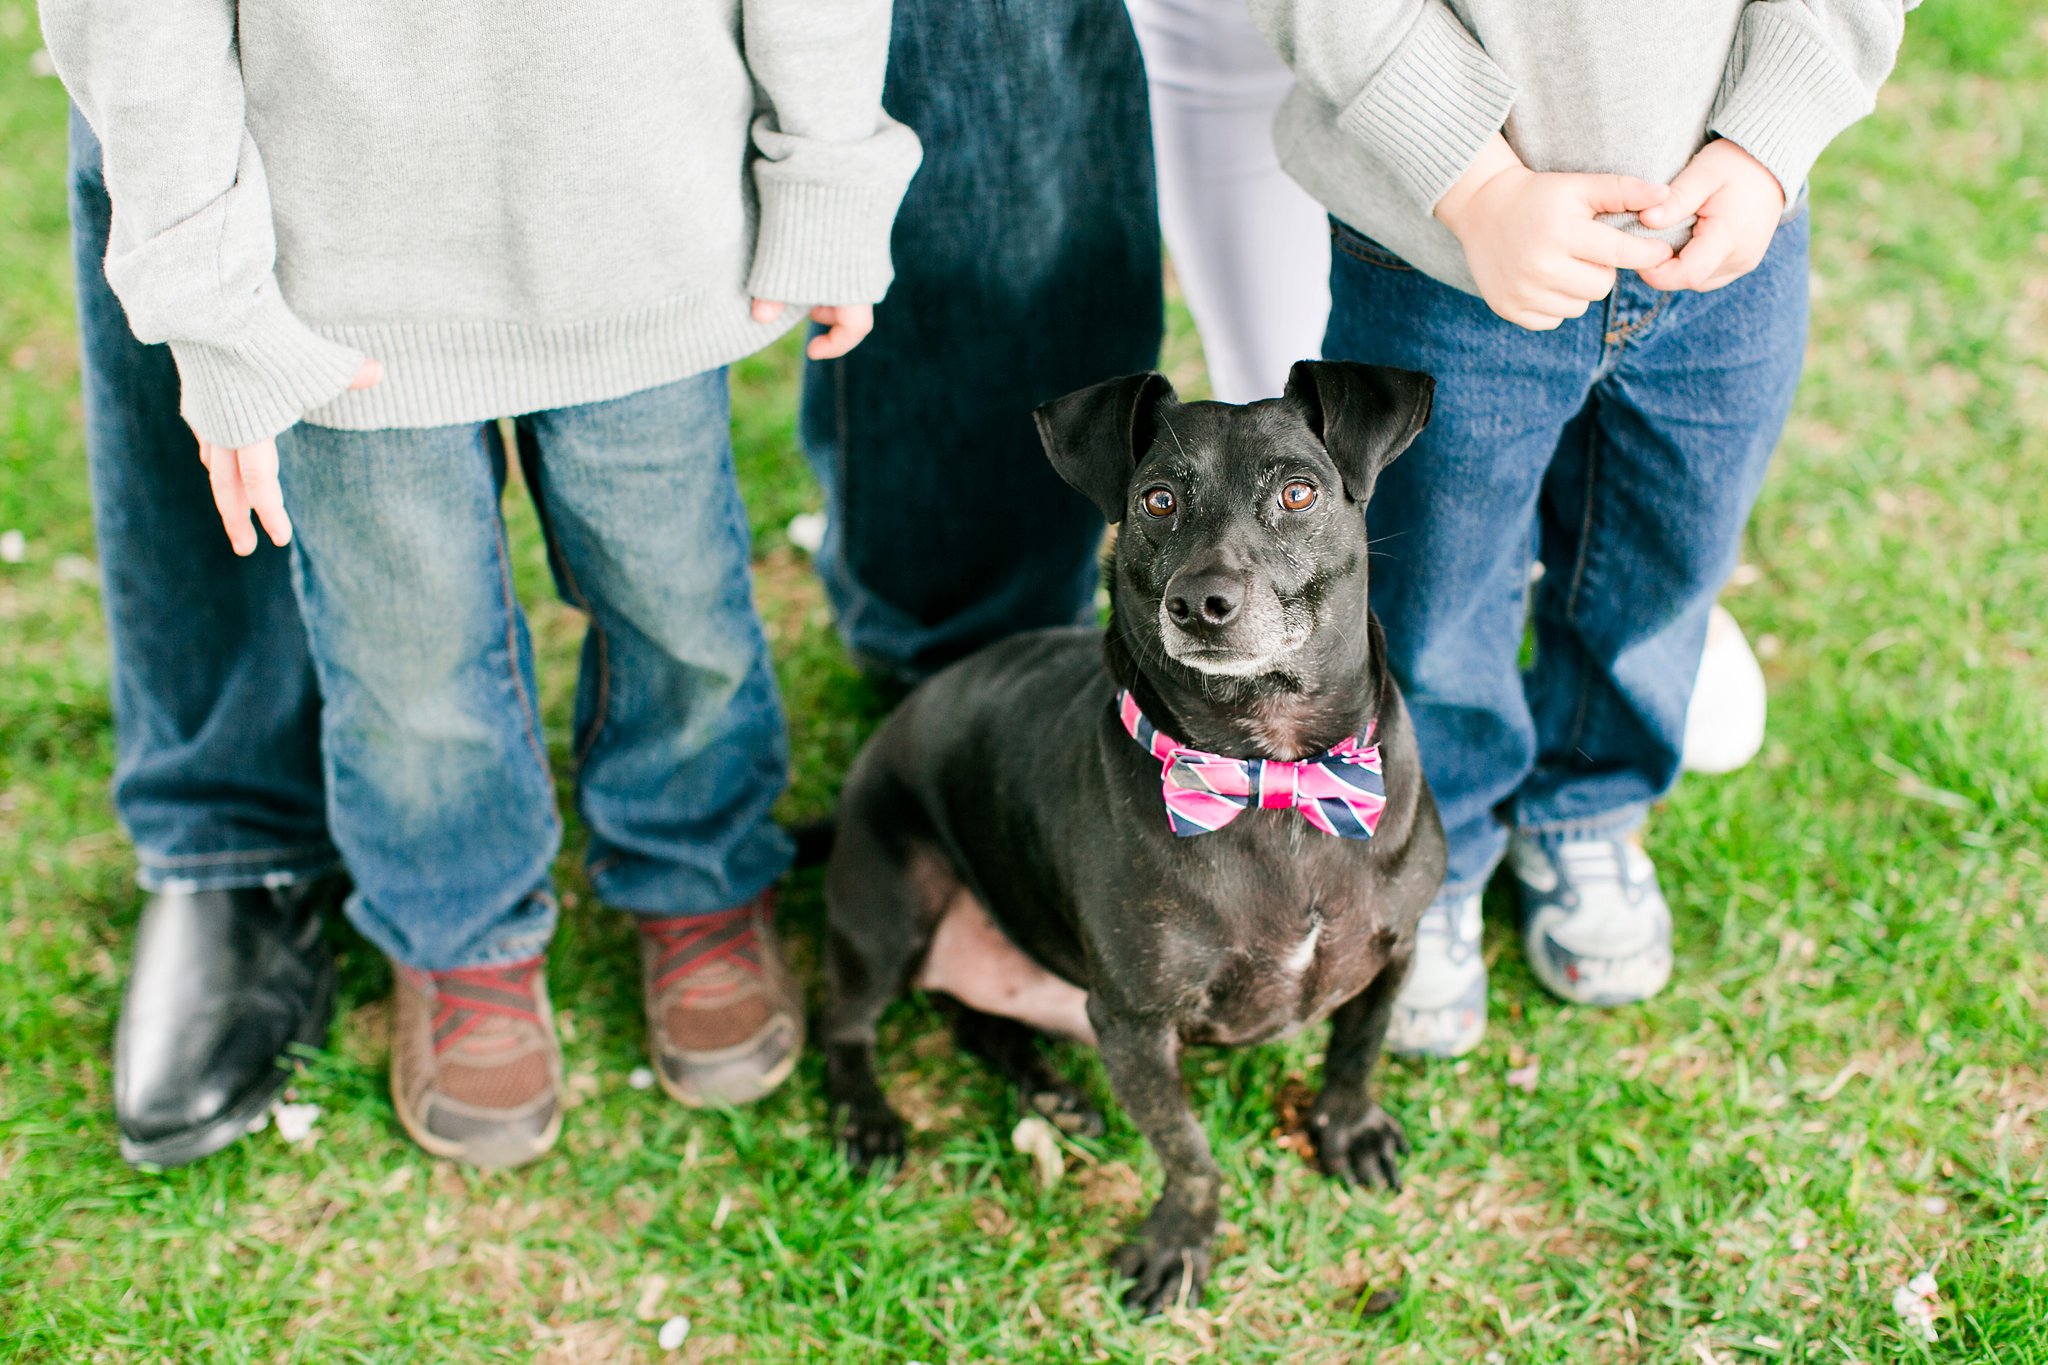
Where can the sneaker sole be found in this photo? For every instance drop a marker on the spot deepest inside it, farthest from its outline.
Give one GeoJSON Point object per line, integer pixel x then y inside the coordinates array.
{"type": "Point", "coordinates": [768, 1082]}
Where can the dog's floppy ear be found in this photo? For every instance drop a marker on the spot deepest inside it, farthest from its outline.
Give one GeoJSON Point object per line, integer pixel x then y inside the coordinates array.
{"type": "Point", "coordinates": [1364, 415]}
{"type": "Point", "coordinates": [1093, 436]}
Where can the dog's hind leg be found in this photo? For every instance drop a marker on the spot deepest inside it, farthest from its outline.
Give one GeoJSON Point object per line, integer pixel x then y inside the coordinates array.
{"type": "Point", "coordinates": [1355, 1138]}
{"type": "Point", "coordinates": [1013, 1050]}
{"type": "Point", "coordinates": [883, 892]}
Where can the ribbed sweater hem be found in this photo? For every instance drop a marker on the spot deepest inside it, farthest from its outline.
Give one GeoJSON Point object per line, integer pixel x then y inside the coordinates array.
{"type": "Point", "coordinates": [1792, 98]}
{"type": "Point", "coordinates": [445, 373]}
{"type": "Point", "coordinates": [1433, 105]}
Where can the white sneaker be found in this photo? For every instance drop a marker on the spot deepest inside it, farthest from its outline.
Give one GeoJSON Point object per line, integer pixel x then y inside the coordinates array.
{"type": "Point", "coordinates": [1724, 728]}
{"type": "Point", "coordinates": [1441, 1010]}
{"type": "Point", "coordinates": [1594, 922]}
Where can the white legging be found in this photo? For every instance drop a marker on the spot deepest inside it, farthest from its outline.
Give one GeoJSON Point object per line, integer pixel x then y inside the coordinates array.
{"type": "Point", "coordinates": [1251, 249]}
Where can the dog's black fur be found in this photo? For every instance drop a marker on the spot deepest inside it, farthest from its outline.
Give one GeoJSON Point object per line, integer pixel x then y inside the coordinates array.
{"type": "Point", "coordinates": [1011, 776]}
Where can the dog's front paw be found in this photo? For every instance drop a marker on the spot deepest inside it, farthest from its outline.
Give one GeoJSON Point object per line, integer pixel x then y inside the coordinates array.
{"type": "Point", "coordinates": [1165, 1272]}
{"type": "Point", "coordinates": [1362, 1143]}
{"type": "Point", "coordinates": [870, 1135]}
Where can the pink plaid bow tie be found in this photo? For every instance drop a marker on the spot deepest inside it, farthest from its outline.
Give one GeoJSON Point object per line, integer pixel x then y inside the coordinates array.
{"type": "Point", "coordinates": [1339, 791]}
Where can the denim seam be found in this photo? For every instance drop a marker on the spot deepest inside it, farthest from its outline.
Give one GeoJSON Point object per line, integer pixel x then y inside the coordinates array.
{"type": "Point", "coordinates": [245, 856]}
{"type": "Point", "coordinates": [1356, 248]}
{"type": "Point", "coordinates": [511, 603]}
{"type": "Point", "coordinates": [601, 707]}
{"type": "Point", "coordinates": [1571, 604]}
{"type": "Point", "coordinates": [1619, 336]}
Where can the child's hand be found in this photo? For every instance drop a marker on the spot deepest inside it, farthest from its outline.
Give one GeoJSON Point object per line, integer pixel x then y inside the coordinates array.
{"type": "Point", "coordinates": [846, 324]}
{"type": "Point", "coordinates": [1738, 202]}
{"type": "Point", "coordinates": [245, 482]}
{"type": "Point", "coordinates": [1530, 237]}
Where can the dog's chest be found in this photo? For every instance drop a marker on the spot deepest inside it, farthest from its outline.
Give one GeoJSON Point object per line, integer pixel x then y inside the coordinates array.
{"type": "Point", "coordinates": [1290, 963]}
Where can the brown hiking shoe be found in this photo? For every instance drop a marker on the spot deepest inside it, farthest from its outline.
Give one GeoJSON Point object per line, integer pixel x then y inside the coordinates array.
{"type": "Point", "coordinates": [476, 1072]}
{"type": "Point", "coordinates": [724, 1018]}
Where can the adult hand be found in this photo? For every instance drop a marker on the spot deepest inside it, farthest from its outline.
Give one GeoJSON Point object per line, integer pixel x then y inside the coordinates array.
{"type": "Point", "coordinates": [1531, 238]}
{"type": "Point", "coordinates": [245, 482]}
{"type": "Point", "coordinates": [1738, 202]}
{"type": "Point", "coordinates": [846, 324]}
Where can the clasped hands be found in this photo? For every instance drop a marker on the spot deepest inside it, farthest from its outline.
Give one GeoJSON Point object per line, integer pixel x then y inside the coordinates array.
{"type": "Point", "coordinates": [1540, 254]}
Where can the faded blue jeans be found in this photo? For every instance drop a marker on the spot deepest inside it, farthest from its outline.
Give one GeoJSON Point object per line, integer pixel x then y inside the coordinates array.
{"type": "Point", "coordinates": [1624, 450]}
{"type": "Point", "coordinates": [216, 717]}
{"type": "Point", "coordinates": [439, 791]}
{"type": "Point", "coordinates": [1027, 266]}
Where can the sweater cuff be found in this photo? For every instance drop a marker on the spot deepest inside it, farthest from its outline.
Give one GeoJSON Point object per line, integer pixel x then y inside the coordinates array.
{"type": "Point", "coordinates": [1432, 105]}
{"type": "Point", "coordinates": [1790, 99]}
{"type": "Point", "coordinates": [826, 241]}
{"type": "Point", "coordinates": [240, 392]}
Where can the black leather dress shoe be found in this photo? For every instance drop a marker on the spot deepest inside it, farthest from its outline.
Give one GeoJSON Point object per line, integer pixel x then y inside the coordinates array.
{"type": "Point", "coordinates": [223, 982]}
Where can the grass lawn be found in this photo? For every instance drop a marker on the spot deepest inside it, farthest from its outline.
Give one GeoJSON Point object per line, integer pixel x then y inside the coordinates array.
{"type": "Point", "coordinates": [1844, 1086]}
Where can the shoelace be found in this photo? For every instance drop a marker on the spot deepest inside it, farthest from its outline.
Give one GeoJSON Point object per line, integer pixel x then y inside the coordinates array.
{"type": "Point", "coordinates": [470, 996]}
{"type": "Point", "coordinates": [689, 943]}
{"type": "Point", "coordinates": [1589, 863]}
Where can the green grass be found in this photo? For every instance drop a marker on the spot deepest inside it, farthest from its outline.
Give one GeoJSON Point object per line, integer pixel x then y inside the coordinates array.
{"type": "Point", "coordinates": [1844, 1086]}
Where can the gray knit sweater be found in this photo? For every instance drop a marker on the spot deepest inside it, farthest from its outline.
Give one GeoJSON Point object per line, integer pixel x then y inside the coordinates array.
{"type": "Point", "coordinates": [514, 205]}
{"type": "Point", "coordinates": [1394, 98]}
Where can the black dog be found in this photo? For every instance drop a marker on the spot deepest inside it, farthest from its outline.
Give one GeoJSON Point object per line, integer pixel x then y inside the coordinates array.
{"type": "Point", "coordinates": [1010, 789]}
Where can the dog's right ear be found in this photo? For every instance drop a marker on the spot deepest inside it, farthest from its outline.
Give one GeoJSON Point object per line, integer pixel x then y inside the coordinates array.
{"type": "Point", "coordinates": [1364, 415]}
{"type": "Point", "coordinates": [1093, 436]}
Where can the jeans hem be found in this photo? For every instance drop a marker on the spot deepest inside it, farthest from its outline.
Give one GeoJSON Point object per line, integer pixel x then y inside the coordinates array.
{"type": "Point", "coordinates": [518, 946]}
{"type": "Point", "coordinates": [1610, 825]}
{"type": "Point", "coordinates": [232, 871]}
{"type": "Point", "coordinates": [676, 909]}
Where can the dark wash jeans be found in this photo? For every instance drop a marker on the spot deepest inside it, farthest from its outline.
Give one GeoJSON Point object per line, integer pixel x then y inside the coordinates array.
{"type": "Point", "coordinates": [216, 716]}
{"type": "Point", "coordinates": [1027, 266]}
{"type": "Point", "coordinates": [1624, 450]}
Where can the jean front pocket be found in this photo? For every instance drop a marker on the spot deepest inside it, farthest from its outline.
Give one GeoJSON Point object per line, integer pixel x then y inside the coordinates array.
{"type": "Point", "coordinates": [1358, 246]}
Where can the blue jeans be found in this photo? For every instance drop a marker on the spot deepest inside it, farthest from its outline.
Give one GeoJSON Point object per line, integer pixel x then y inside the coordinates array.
{"type": "Point", "coordinates": [216, 718]}
{"type": "Point", "coordinates": [439, 791]}
{"type": "Point", "coordinates": [1027, 266]}
{"type": "Point", "coordinates": [1623, 450]}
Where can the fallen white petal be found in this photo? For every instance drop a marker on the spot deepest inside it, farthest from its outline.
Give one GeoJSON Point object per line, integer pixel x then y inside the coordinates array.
{"type": "Point", "coordinates": [1934, 1204]}
{"type": "Point", "coordinates": [13, 547]}
{"type": "Point", "coordinates": [40, 64]}
{"type": "Point", "coordinates": [295, 1121]}
{"type": "Point", "coordinates": [807, 531]}
{"type": "Point", "coordinates": [673, 1333]}
{"type": "Point", "coordinates": [1524, 1077]}
{"type": "Point", "coordinates": [1040, 1141]}
{"type": "Point", "coordinates": [641, 1079]}
{"type": "Point", "coordinates": [1923, 1284]}
{"type": "Point", "coordinates": [259, 1123]}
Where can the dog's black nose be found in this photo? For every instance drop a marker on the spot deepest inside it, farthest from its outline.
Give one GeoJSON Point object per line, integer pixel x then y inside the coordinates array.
{"type": "Point", "coordinates": [1204, 599]}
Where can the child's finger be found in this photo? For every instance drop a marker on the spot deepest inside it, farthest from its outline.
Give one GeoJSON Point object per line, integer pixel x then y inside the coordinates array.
{"type": "Point", "coordinates": [1617, 250]}
{"type": "Point", "coordinates": [1690, 188]}
{"type": "Point", "coordinates": [1694, 266]}
{"type": "Point", "coordinates": [260, 488]}
{"type": "Point", "coordinates": [1578, 280]}
{"type": "Point", "coordinates": [1619, 193]}
{"type": "Point", "coordinates": [766, 310]}
{"type": "Point", "coordinates": [368, 375]}
{"type": "Point", "coordinates": [225, 474]}
{"type": "Point", "coordinates": [833, 342]}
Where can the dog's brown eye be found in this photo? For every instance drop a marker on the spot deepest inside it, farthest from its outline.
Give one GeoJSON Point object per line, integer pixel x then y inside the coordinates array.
{"type": "Point", "coordinates": [1298, 496]}
{"type": "Point", "coordinates": [1159, 502]}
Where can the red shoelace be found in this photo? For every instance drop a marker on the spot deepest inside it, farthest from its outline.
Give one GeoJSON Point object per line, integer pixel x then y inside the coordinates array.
{"type": "Point", "coordinates": [470, 995]}
{"type": "Point", "coordinates": [689, 943]}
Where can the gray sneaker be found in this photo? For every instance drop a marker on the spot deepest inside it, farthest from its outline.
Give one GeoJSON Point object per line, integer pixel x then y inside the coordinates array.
{"type": "Point", "coordinates": [1441, 1010]}
{"type": "Point", "coordinates": [1594, 922]}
